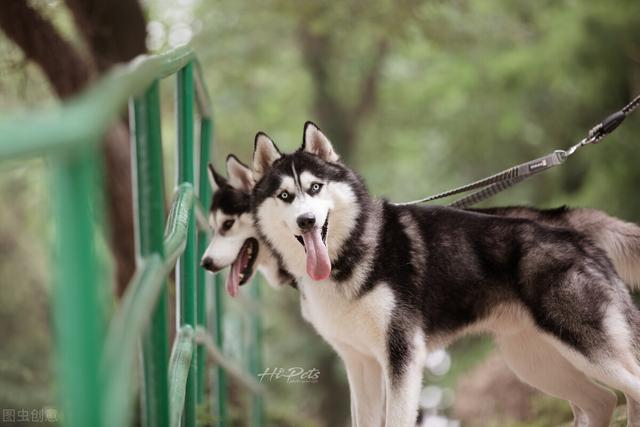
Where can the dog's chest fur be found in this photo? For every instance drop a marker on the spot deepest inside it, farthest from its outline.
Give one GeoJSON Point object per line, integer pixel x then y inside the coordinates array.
{"type": "Point", "coordinates": [360, 322]}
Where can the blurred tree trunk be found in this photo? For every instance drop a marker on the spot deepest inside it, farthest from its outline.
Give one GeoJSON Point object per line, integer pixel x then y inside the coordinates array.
{"type": "Point", "coordinates": [40, 42]}
{"type": "Point", "coordinates": [114, 31]}
{"type": "Point", "coordinates": [341, 120]}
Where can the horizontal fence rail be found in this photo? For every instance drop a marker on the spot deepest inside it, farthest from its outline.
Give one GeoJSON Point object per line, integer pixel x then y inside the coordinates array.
{"type": "Point", "coordinates": [84, 119]}
{"type": "Point", "coordinates": [97, 355]}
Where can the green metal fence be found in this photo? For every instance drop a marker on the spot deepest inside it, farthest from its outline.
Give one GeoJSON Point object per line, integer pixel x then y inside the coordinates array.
{"type": "Point", "coordinates": [97, 353]}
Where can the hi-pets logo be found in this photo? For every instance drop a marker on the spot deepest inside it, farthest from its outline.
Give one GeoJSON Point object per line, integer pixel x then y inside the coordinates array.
{"type": "Point", "coordinates": [290, 375]}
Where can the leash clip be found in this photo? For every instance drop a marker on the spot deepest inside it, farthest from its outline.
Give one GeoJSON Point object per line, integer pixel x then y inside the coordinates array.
{"type": "Point", "coordinates": [607, 126]}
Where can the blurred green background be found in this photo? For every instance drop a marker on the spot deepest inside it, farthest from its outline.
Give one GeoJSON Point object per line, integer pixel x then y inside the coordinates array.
{"type": "Point", "coordinates": [418, 96]}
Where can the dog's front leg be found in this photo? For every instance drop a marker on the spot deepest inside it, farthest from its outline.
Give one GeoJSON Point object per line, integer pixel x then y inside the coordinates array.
{"type": "Point", "coordinates": [365, 387]}
{"type": "Point", "coordinates": [403, 382]}
{"type": "Point", "coordinates": [375, 390]}
{"type": "Point", "coordinates": [351, 368]}
{"type": "Point", "coordinates": [372, 409]}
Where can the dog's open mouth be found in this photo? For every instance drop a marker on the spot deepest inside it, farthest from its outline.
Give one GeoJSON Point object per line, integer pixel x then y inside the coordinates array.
{"type": "Point", "coordinates": [325, 227]}
{"type": "Point", "coordinates": [242, 268]}
{"type": "Point", "coordinates": [314, 242]}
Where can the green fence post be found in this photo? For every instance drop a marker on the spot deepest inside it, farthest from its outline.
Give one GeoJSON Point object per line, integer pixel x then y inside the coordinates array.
{"type": "Point", "coordinates": [148, 190]}
{"type": "Point", "coordinates": [220, 397]}
{"type": "Point", "coordinates": [181, 356]}
{"type": "Point", "coordinates": [204, 194]}
{"type": "Point", "coordinates": [255, 355]}
{"type": "Point", "coordinates": [186, 271]}
{"type": "Point", "coordinates": [78, 308]}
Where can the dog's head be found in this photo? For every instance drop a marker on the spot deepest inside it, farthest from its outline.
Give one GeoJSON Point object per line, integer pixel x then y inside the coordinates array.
{"type": "Point", "coordinates": [235, 238]}
{"type": "Point", "coordinates": [305, 204]}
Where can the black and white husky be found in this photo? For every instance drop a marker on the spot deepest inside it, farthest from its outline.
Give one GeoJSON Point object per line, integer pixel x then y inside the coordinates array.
{"type": "Point", "coordinates": [235, 241]}
{"type": "Point", "coordinates": [383, 284]}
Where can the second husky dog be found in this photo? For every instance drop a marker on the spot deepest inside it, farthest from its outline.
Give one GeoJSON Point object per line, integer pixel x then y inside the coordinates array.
{"type": "Point", "coordinates": [235, 241]}
{"type": "Point", "coordinates": [383, 283]}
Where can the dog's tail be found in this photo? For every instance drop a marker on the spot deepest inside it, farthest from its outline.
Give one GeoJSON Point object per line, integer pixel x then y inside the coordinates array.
{"type": "Point", "coordinates": [619, 239]}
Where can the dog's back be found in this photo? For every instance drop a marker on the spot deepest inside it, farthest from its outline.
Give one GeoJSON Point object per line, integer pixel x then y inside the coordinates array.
{"type": "Point", "coordinates": [619, 239]}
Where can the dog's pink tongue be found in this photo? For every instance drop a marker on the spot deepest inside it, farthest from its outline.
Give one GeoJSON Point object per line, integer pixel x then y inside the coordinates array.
{"type": "Point", "coordinates": [318, 263]}
{"type": "Point", "coordinates": [233, 278]}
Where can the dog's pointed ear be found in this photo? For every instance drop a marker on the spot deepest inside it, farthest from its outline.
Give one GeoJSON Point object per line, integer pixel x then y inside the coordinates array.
{"type": "Point", "coordinates": [239, 174]}
{"type": "Point", "coordinates": [215, 179]}
{"type": "Point", "coordinates": [265, 153]}
{"type": "Point", "coordinates": [315, 142]}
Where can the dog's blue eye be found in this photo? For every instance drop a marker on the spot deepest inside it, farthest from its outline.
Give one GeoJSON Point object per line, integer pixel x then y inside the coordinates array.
{"type": "Point", "coordinates": [315, 188]}
{"type": "Point", "coordinates": [285, 196]}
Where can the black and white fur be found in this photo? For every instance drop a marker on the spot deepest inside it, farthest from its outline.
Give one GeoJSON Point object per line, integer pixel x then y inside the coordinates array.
{"type": "Point", "coordinates": [234, 232]}
{"type": "Point", "coordinates": [405, 279]}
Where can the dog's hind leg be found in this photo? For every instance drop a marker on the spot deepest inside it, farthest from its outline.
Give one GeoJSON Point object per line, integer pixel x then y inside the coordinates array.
{"type": "Point", "coordinates": [613, 361]}
{"type": "Point", "coordinates": [615, 371]}
{"type": "Point", "coordinates": [633, 320]}
{"type": "Point", "coordinates": [539, 364]}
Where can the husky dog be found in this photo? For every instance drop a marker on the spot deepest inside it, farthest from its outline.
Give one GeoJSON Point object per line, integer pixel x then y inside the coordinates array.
{"type": "Point", "coordinates": [619, 239]}
{"type": "Point", "coordinates": [235, 241]}
{"type": "Point", "coordinates": [383, 283]}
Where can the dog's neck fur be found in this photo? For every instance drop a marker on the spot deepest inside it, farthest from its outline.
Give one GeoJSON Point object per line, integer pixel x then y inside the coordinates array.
{"type": "Point", "coordinates": [271, 266]}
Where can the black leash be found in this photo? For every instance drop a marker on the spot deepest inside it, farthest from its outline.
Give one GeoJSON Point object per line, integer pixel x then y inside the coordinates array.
{"type": "Point", "coordinates": [500, 181]}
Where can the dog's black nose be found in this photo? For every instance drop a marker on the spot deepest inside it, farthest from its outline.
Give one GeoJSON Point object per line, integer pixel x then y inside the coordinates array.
{"type": "Point", "coordinates": [306, 221]}
{"type": "Point", "coordinates": [207, 264]}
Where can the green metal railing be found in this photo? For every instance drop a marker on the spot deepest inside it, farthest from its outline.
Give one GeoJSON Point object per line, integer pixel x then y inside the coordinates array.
{"type": "Point", "coordinates": [96, 353]}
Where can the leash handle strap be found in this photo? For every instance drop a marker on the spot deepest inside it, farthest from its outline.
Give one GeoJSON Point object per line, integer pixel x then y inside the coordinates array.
{"type": "Point", "coordinates": [523, 171]}
{"type": "Point", "coordinates": [520, 171]}
{"type": "Point", "coordinates": [485, 193]}
{"type": "Point", "coordinates": [500, 176]}
{"type": "Point", "coordinates": [502, 180]}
